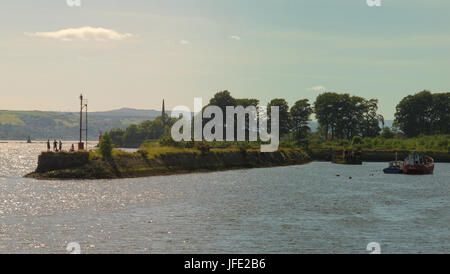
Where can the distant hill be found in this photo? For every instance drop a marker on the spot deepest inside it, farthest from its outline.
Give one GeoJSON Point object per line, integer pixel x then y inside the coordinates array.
{"type": "Point", "coordinates": [18, 125]}
{"type": "Point", "coordinates": [128, 112]}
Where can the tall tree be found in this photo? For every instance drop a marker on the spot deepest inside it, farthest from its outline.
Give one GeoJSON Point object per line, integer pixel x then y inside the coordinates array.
{"type": "Point", "coordinates": [414, 114]}
{"type": "Point", "coordinates": [441, 113]}
{"type": "Point", "coordinates": [222, 99]}
{"type": "Point", "coordinates": [326, 110]}
{"type": "Point", "coordinates": [284, 117]}
{"type": "Point", "coordinates": [346, 116]}
{"type": "Point", "coordinates": [247, 102]}
{"type": "Point", "coordinates": [371, 119]}
{"type": "Point", "coordinates": [300, 116]}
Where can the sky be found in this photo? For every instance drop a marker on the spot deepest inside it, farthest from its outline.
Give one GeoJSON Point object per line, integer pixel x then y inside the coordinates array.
{"type": "Point", "coordinates": [135, 53]}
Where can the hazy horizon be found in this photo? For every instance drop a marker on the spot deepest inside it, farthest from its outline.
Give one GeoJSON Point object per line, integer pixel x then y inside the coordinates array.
{"type": "Point", "coordinates": [135, 53]}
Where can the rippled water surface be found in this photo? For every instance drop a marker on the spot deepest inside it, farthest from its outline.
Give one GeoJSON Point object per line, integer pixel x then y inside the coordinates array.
{"type": "Point", "coordinates": [297, 209]}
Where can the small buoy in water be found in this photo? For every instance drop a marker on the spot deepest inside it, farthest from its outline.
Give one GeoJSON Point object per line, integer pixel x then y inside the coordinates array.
{"type": "Point", "coordinates": [338, 175]}
{"type": "Point", "coordinates": [350, 177]}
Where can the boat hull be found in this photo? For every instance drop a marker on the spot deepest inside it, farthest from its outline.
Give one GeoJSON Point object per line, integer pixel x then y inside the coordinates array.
{"type": "Point", "coordinates": [392, 171]}
{"type": "Point", "coordinates": [418, 169]}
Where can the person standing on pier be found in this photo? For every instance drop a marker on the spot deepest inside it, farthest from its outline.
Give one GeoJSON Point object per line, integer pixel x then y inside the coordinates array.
{"type": "Point", "coordinates": [55, 145]}
{"type": "Point", "coordinates": [48, 144]}
{"type": "Point", "coordinates": [60, 145]}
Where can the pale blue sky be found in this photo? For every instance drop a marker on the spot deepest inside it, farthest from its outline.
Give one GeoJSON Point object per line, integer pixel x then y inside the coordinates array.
{"type": "Point", "coordinates": [149, 50]}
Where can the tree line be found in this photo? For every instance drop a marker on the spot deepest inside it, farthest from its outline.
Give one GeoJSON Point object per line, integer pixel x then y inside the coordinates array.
{"type": "Point", "coordinates": [340, 116]}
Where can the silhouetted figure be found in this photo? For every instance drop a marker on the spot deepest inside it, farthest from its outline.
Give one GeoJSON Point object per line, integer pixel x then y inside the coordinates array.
{"type": "Point", "coordinates": [48, 145]}
{"type": "Point", "coordinates": [60, 145]}
{"type": "Point", "coordinates": [55, 145]}
{"type": "Point", "coordinates": [72, 148]}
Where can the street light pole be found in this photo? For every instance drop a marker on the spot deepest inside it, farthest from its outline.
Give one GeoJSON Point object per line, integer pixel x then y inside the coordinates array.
{"type": "Point", "coordinates": [80, 143]}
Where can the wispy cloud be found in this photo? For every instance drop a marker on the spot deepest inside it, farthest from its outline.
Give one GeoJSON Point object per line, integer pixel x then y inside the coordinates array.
{"type": "Point", "coordinates": [317, 88]}
{"type": "Point", "coordinates": [184, 42]}
{"type": "Point", "coordinates": [235, 37]}
{"type": "Point", "coordinates": [84, 33]}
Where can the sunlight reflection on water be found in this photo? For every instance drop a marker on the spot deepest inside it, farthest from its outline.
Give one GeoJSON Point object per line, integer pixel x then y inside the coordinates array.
{"type": "Point", "coordinates": [298, 209]}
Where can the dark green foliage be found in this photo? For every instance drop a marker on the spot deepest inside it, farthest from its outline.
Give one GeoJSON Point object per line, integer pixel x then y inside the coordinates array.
{"type": "Point", "coordinates": [284, 117]}
{"type": "Point", "coordinates": [421, 143]}
{"type": "Point", "coordinates": [223, 99]}
{"type": "Point", "coordinates": [300, 116]}
{"type": "Point", "coordinates": [424, 113]}
{"type": "Point", "coordinates": [106, 146]}
{"type": "Point", "coordinates": [135, 135]}
{"type": "Point", "coordinates": [387, 133]}
{"type": "Point", "coordinates": [345, 116]}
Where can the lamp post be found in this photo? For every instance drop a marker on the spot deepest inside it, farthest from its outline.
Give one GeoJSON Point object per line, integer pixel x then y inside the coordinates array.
{"type": "Point", "coordinates": [80, 143]}
{"type": "Point", "coordinates": [83, 105]}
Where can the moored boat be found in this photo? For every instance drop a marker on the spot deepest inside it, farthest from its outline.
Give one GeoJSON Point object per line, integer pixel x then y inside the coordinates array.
{"type": "Point", "coordinates": [395, 167]}
{"type": "Point", "coordinates": [418, 164]}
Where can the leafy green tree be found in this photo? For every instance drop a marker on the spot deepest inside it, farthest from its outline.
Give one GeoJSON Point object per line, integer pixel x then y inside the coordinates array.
{"type": "Point", "coordinates": [284, 117]}
{"type": "Point", "coordinates": [345, 116]}
{"type": "Point", "coordinates": [116, 136]}
{"type": "Point", "coordinates": [222, 99]}
{"type": "Point", "coordinates": [247, 102]}
{"type": "Point", "coordinates": [371, 119]}
{"type": "Point", "coordinates": [441, 113]}
{"type": "Point", "coordinates": [424, 113]}
{"type": "Point", "coordinates": [300, 116]}
{"type": "Point", "coordinates": [106, 146]}
{"type": "Point", "coordinates": [326, 110]}
{"type": "Point", "coordinates": [132, 136]}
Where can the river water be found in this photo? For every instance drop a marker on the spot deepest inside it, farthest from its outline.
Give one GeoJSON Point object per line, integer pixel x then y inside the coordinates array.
{"type": "Point", "coordinates": [296, 209]}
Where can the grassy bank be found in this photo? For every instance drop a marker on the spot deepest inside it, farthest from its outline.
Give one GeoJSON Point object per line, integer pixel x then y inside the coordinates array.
{"type": "Point", "coordinates": [380, 155]}
{"type": "Point", "coordinates": [154, 160]}
{"type": "Point", "coordinates": [434, 143]}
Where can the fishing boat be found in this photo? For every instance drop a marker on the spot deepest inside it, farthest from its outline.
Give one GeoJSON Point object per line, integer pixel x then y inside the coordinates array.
{"type": "Point", "coordinates": [395, 167]}
{"type": "Point", "coordinates": [418, 164]}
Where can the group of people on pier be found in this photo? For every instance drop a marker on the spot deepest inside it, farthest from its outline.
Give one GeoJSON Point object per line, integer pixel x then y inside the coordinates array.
{"type": "Point", "coordinates": [57, 146]}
